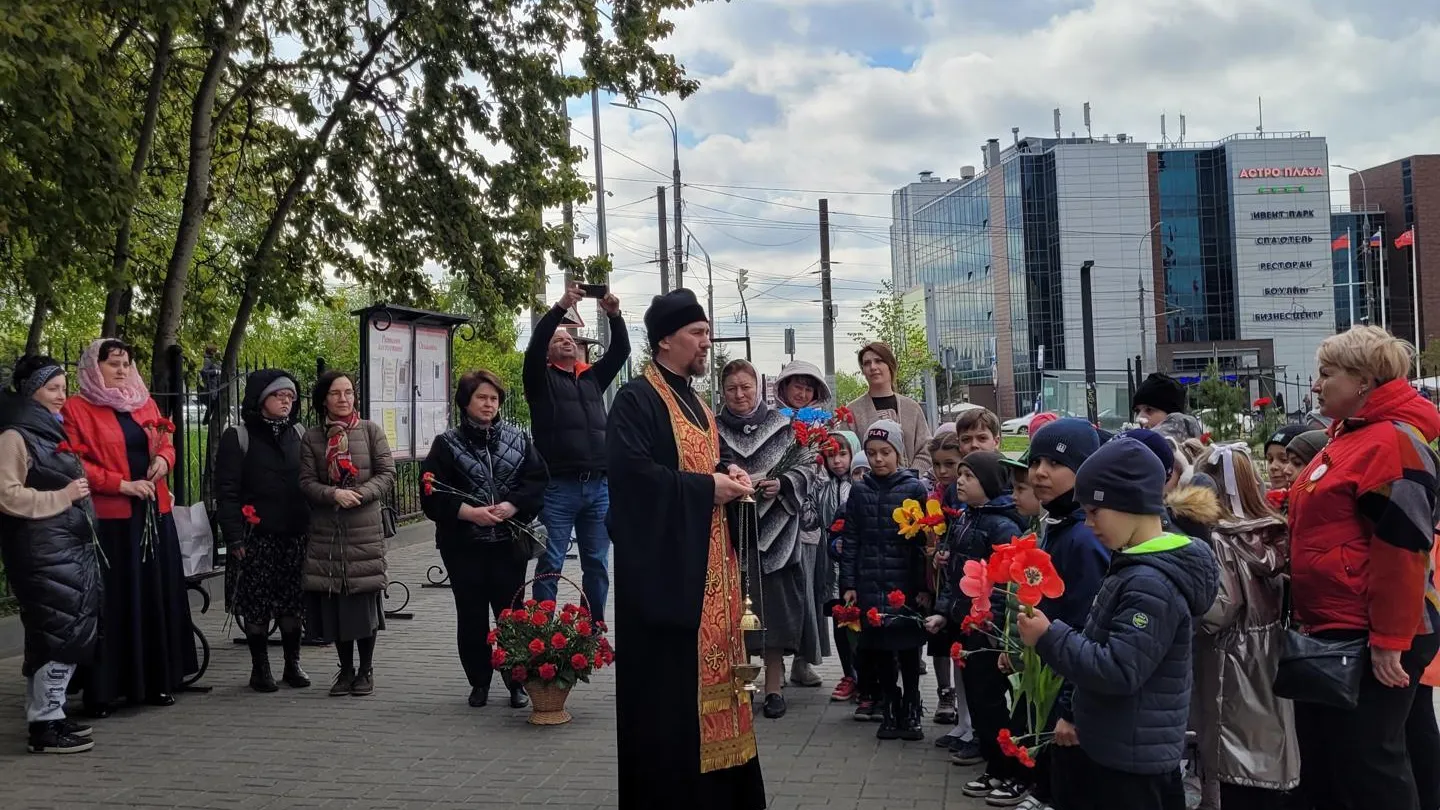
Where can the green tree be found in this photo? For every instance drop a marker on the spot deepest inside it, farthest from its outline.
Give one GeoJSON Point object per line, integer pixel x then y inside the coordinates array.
{"type": "Point", "coordinates": [1223, 403]}
{"type": "Point", "coordinates": [889, 320]}
{"type": "Point", "coordinates": [848, 387]}
{"type": "Point", "coordinates": [1430, 357]}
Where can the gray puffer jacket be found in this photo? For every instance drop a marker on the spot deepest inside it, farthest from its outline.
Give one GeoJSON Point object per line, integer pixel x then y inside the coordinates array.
{"type": "Point", "coordinates": [346, 553]}
{"type": "Point", "coordinates": [1132, 664]}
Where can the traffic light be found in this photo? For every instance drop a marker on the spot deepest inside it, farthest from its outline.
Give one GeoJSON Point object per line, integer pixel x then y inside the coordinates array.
{"type": "Point", "coordinates": [740, 279]}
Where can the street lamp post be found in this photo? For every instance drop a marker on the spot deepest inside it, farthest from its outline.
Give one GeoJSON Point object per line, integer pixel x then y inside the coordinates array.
{"type": "Point", "coordinates": [1365, 204]}
{"type": "Point", "coordinates": [709, 306]}
{"type": "Point", "coordinates": [1140, 276]}
{"type": "Point", "coordinates": [674, 125]}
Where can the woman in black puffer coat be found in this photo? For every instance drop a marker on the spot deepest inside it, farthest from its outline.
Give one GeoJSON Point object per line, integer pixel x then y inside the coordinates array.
{"type": "Point", "coordinates": [877, 561]}
{"type": "Point", "coordinates": [48, 547]}
{"type": "Point", "coordinates": [258, 467]}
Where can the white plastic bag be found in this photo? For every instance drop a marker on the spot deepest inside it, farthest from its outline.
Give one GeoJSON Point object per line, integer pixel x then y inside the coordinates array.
{"type": "Point", "coordinates": [197, 542]}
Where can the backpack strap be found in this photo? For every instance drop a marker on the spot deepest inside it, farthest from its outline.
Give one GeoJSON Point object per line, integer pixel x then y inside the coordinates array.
{"type": "Point", "coordinates": [242, 433]}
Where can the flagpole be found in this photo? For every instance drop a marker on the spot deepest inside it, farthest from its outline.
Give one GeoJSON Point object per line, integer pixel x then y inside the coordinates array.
{"type": "Point", "coordinates": [1384, 308]}
{"type": "Point", "coordinates": [1350, 287]}
{"type": "Point", "coordinates": [1415, 295]}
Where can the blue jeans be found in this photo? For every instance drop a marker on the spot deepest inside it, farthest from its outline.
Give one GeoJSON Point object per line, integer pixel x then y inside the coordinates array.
{"type": "Point", "coordinates": [581, 506]}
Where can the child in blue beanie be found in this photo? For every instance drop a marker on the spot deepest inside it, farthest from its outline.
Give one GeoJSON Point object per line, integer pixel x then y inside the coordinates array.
{"type": "Point", "coordinates": [1131, 665]}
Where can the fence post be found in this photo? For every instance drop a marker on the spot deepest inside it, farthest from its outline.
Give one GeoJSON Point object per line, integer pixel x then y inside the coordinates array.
{"type": "Point", "coordinates": [179, 486]}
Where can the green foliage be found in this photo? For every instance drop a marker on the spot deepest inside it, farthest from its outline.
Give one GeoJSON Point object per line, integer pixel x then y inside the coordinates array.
{"type": "Point", "coordinates": [848, 387]}
{"type": "Point", "coordinates": [889, 320]}
{"type": "Point", "coordinates": [1224, 402]}
{"type": "Point", "coordinates": [1430, 357]}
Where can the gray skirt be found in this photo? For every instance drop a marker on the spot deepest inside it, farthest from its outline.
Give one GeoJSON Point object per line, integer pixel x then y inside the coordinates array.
{"type": "Point", "coordinates": [332, 617]}
{"type": "Point", "coordinates": [787, 612]}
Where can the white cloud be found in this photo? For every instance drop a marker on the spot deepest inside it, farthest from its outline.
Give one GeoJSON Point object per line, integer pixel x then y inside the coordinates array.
{"type": "Point", "coordinates": [847, 99]}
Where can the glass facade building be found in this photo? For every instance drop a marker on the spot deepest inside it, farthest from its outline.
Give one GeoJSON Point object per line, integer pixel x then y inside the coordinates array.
{"type": "Point", "coordinates": [1352, 266]}
{"type": "Point", "coordinates": [1196, 245]}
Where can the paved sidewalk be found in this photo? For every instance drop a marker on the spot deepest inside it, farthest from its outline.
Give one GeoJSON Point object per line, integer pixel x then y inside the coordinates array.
{"type": "Point", "coordinates": [416, 744]}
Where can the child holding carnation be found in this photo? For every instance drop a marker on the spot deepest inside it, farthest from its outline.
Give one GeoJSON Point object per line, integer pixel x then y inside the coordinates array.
{"type": "Point", "coordinates": [825, 506]}
{"type": "Point", "coordinates": [989, 520]}
{"type": "Point", "coordinates": [884, 574]}
{"type": "Point", "coordinates": [1131, 664]}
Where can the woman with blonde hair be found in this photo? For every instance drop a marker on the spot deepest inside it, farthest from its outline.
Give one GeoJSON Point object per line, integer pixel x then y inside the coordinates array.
{"type": "Point", "coordinates": [1361, 529]}
{"type": "Point", "coordinates": [1246, 734]}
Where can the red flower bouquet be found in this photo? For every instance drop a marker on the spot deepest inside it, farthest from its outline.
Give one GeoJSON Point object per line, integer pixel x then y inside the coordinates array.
{"type": "Point", "coordinates": [551, 647]}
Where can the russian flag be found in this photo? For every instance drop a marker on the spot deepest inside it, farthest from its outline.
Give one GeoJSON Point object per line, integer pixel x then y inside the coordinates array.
{"type": "Point", "coordinates": [1375, 240]}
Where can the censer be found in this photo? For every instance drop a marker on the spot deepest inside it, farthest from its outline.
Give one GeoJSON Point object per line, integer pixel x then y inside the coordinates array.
{"type": "Point", "coordinates": [747, 673]}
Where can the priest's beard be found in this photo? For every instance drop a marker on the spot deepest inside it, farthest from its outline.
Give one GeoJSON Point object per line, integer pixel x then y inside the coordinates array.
{"type": "Point", "coordinates": [692, 366]}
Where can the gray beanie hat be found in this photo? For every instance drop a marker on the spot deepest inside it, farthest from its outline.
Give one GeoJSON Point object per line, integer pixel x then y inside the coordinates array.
{"type": "Point", "coordinates": [887, 430]}
{"type": "Point", "coordinates": [1308, 444]}
{"type": "Point", "coordinates": [281, 383]}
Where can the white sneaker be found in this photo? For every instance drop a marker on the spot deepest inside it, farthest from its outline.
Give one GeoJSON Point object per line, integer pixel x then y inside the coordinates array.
{"type": "Point", "coordinates": [1032, 803]}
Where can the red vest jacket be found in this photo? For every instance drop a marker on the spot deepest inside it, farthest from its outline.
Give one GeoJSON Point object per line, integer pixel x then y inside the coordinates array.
{"type": "Point", "coordinates": [106, 465]}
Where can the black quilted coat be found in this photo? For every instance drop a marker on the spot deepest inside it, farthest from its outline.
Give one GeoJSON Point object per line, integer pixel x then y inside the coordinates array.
{"type": "Point", "coordinates": [490, 465]}
{"type": "Point", "coordinates": [876, 560]}
{"type": "Point", "coordinates": [53, 569]}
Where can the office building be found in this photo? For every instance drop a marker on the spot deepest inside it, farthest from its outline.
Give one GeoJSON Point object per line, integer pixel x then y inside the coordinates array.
{"type": "Point", "coordinates": [1407, 191]}
{"type": "Point", "coordinates": [1203, 253]}
{"type": "Point", "coordinates": [1355, 264]}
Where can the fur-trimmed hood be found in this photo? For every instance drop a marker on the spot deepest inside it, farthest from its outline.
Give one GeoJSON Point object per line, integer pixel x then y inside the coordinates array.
{"type": "Point", "coordinates": [1193, 509]}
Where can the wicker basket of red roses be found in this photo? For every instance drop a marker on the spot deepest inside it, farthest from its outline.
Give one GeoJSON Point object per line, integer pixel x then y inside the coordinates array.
{"type": "Point", "coordinates": [549, 647]}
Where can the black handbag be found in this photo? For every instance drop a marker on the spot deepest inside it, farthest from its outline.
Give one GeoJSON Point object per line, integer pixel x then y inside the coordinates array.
{"type": "Point", "coordinates": [1324, 671]}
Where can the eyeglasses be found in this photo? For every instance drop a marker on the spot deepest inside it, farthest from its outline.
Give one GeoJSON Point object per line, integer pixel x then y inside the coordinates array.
{"type": "Point", "coordinates": [284, 396]}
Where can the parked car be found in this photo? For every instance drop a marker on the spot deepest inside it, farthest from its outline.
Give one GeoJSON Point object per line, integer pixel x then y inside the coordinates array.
{"type": "Point", "coordinates": [1018, 426]}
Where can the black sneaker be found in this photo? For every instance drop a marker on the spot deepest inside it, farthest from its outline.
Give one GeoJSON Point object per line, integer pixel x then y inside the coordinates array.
{"type": "Point", "coordinates": [48, 738]}
{"type": "Point", "coordinates": [946, 713]}
{"type": "Point", "coordinates": [774, 706]}
{"type": "Point", "coordinates": [910, 720]}
{"type": "Point", "coordinates": [966, 752]}
{"type": "Point", "coordinates": [890, 720]}
{"type": "Point", "coordinates": [981, 786]}
{"type": "Point", "coordinates": [1009, 794]}
{"type": "Point", "coordinates": [866, 711]}
{"type": "Point", "coordinates": [75, 729]}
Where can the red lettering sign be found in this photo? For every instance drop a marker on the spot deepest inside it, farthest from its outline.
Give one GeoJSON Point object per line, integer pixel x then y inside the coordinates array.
{"type": "Point", "coordinates": [1261, 172]}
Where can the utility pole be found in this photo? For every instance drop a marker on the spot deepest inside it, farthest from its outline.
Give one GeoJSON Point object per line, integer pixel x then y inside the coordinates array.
{"type": "Point", "coordinates": [1087, 316]}
{"type": "Point", "coordinates": [679, 250]}
{"type": "Point", "coordinates": [664, 249]}
{"type": "Point", "coordinates": [741, 284]}
{"type": "Point", "coordinates": [828, 317]}
{"type": "Point", "coordinates": [602, 245]}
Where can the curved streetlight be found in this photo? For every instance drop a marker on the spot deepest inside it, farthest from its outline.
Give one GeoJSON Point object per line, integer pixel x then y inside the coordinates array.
{"type": "Point", "coordinates": [669, 118]}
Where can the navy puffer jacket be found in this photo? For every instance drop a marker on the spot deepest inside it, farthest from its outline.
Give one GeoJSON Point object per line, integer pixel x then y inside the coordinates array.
{"type": "Point", "coordinates": [974, 536]}
{"type": "Point", "coordinates": [875, 559]}
{"type": "Point", "coordinates": [1131, 667]}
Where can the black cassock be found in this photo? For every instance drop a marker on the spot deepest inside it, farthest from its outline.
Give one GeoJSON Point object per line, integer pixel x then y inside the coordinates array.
{"type": "Point", "coordinates": [659, 525]}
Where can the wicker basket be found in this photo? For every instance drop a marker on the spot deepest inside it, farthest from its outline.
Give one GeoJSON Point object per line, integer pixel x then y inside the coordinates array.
{"type": "Point", "coordinates": [547, 704]}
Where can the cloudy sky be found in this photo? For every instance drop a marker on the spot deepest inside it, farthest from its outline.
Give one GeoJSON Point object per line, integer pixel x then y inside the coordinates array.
{"type": "Point", "coordinates": [849, 99]}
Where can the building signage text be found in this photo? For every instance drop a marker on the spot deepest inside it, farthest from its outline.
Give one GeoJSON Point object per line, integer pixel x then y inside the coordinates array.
{"type": "Point", "coordinates": [1287, 290]}
{"type": "Point", "coordinates": [1308, 214]}
{"type": "Point", "coordinates": [1280, 190]}
{"type": "Point", "coordinates": [1282, 171]}
{"type": "Point", "coordinates": [1286, 265]}
{"type": "Point", "coordinates": [1284, 240]}
{"type": "Point", "coordinates": [1292, 315]}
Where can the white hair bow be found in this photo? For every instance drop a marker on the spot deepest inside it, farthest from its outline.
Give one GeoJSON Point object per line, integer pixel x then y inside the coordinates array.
{"type": "Point", "coordinates": [1224, 455]}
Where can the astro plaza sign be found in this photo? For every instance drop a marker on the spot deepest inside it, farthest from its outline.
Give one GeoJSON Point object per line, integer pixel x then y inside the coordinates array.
{"type": "Point", "coordinates": [1276, 172]}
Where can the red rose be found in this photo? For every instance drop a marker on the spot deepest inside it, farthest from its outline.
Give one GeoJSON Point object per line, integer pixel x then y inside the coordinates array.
{"type": "Point", "coordinates": [599, 661]}
{"type": "Point", "coordinates": [493, 637]}
{"type": "Point", "coordinates": [536, 646]}
{"type": "Point", "coordinates": [248, 512]}
{"type": "Point", "coordinates": [497, 659]}
{"type": "Point", "coordinates": [540, 619]}
{"type": "Point", "coordinates": [583, 628]}
{"type": "Point", "coordinates": [530, 603]}
{"type": "Point", "coordinates": [558, 641]}
{"type": "Point", "coordinates": [579, 661]}
{"type": "Point", "coordinates": [896, 599]}
{"type": "Point", "coordinates": [518, 674]}
{"type": "Point", "coordinates": [873, 617]}
{"type": "Point", "coordinates": [548, 606]}
{"type": "Point", "coordinates": [506, 614]}
{"type": "Point", "coordinates": [547, 672]}
{"type": "Point", "coordinates": [567, 618]}
{"type": "Point", "coordinates": [520, 617]}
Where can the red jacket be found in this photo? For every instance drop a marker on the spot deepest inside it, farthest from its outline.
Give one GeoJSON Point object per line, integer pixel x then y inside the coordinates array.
{"type": "Point", "coordinates": [1362, 522]}
{"type": "Point", "coordinates": [106, 465]}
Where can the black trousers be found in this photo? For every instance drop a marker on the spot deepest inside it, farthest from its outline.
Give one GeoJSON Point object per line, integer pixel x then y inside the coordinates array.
{"type": "Point", "coordinates": [1078, 783]}
{"type": "Point", "coordinates": [1240, 797]}
{"type": "Point", "coordinates": [1357, 759]}
{"type": "Point", "coordinates": [986, 692]}
{"type": "Point", "coordinates": [485, 579]}
{"type": "Point", "coordinates": [1422, 743]}
{"type": "Point", "coordinates": [880, 673]}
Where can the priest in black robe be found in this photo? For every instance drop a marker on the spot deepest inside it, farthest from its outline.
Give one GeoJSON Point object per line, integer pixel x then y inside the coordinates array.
{"type": "Point", "coordinates": [683, 718]}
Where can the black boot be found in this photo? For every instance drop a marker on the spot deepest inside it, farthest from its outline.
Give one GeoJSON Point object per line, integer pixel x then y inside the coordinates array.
{"type": "Point", "coordinates": [519, 698]}
{"type": "Point", "coordinates": [294, 676]}
{"type": "Point", "coordinates": [913, 711]}
{"type": "Point", "coordinates": [260, 678]}
{"type": "Point", "coordinates": [51, 738]}
{"type": "Point", "coordinates": [891, 718]}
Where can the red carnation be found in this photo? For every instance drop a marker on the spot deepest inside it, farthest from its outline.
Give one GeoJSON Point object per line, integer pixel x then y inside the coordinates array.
{"type": "Point", "coordinates": [537, 646]}
{"type": "Point", "coordinates": [349, 467]}
{"type": "Point", "coordinates": [497, 659]}
{"type": "Point", "coordinates": [1205, 437]}
{"type": "Point", "coordinates": [1264, 402]}
{"type": "Point", "coordinates": [518, 674]}
{"type": "Point", "coordinates": [582, 610]}
{"type": "Point", "coordinates": [530, 603]}
{"type": "Point", "coordinates": [567, 618]}
{"type": "Point", "coordinates": [1277, 498]}
{"type": "Point", "coordinates": [520, 616]}
{"type": "Point", "coordinates": [599, 662]}
{"type": "Point", "coordinates": [540, 619]}
{"type": "Point", "coordinates": [873, 617]}
{"type": "Point", "coordinates": [958, 654]}
{"type": "Point", "coordinates": [583, 628]}
{"type": "Point", "coordinates": [844, 414]}
{"type": "Point", "coordinates": [547, 672]}
{"type": "Point", "coordinates": [548, 606]}
{"type": "Point", "coordinates": [427, 481]}
{"type": "Point", "coordinates": [896, 599]}
{"type": "Point", "coordinates": [838, 526]}
{"type": "Point", "coordinates": [506, 614]}
{"type": "Point", "coordinates": [248, 512]}
{"type": "Point", "coordinates": [579, 661]}
{"type": "Point", "coordinates": [1007, 744]}
{"type": "Point", "coordinates": [493, 637]}
{"type": "Point", "coordinates": [558, 641]}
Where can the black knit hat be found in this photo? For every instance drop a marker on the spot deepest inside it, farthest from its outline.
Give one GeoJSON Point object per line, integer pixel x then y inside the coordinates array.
{"type": "Point", "coordinates": [990, 470]}
{"type": "Point", "coordinates": [669, 313]}
{"type": "Point", "coordinates": [1123, 475]}
{"type": "Point", "coordinates": [1283, 436]}
{"type": "Point", "coordinates": [1161, 392]}
{"type": "Point", "coordinates": [1067, 442]}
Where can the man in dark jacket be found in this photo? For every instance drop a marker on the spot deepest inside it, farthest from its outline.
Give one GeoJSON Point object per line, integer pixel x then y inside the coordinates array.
{"type": "Point", "coordinates": [1132, 662]}
{"type": "Point", "coordinates": [567, 419]}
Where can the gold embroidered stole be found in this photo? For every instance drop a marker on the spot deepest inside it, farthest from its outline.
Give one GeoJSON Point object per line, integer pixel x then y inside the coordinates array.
{"type": "Point", "coordinates": [727, 732]}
